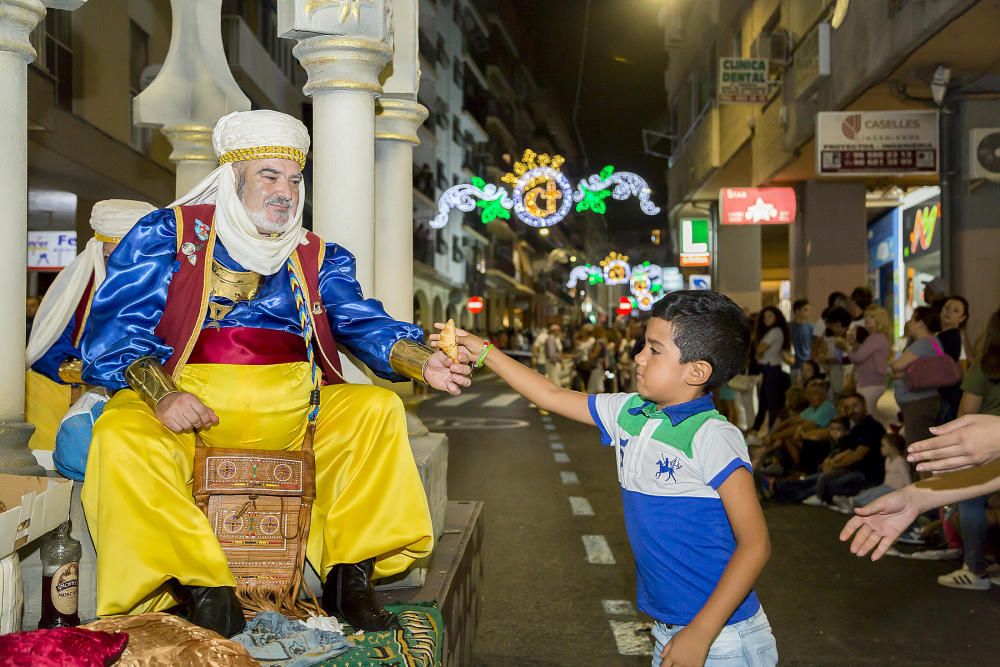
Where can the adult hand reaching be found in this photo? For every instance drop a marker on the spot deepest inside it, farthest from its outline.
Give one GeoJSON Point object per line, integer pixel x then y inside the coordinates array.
{"type": "Point", "coordinates": [962, 443]}
{"type": "Point", "coordinates": [878, 524]}
{"type": "Point", "coordinates": [181, 412]}
{"type": "Point", "coordinates": [444, 374]}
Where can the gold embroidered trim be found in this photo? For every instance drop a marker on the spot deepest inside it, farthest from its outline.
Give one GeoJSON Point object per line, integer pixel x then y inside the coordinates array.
{"type": "Point", "coordinates": [264, 153]}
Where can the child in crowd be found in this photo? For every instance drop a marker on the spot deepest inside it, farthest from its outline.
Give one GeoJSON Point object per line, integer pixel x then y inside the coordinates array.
{"type": "Point", "coordinates": [897, 475]}
{"type": "Point", "coordinates": [696, 529]}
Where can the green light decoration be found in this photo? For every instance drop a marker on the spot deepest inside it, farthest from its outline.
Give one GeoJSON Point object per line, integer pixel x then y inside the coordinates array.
{"type": "Point", "coordinates": [492, 208]}
{"type": "Point", "coordinates": [594, 201]}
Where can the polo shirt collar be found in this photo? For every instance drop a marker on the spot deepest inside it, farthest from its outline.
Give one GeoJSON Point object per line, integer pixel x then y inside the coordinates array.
{"type": "Point", "coordinates": [675, 413]}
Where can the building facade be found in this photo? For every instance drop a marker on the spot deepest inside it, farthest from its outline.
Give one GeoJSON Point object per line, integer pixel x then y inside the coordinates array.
{"type": "Point", "coordinates": [828, 56]}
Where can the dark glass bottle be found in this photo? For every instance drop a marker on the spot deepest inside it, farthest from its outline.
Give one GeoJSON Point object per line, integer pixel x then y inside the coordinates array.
{"type": "Point", "coordinates": [60, 579]}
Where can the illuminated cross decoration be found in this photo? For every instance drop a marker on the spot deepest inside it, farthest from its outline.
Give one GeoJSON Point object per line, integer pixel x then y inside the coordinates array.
{"type": "Point", "coordinates": [550, 194]}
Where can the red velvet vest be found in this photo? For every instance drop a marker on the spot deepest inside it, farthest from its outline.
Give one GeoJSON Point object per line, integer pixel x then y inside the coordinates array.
{"type": "Point", "coordinates": [188, 293]}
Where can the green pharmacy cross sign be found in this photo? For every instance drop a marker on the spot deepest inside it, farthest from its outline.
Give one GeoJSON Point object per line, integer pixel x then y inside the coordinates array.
{"type": "Point", "coordinates": [541, 195]}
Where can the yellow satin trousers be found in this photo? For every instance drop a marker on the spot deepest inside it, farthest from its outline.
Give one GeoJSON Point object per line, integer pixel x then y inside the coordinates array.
{"type": "Point", "coordinates": [137, 492]}
{"type": "Point", "coordinates": [45, 404]}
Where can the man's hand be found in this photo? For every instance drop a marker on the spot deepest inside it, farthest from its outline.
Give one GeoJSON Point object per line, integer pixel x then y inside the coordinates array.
{"type": "Point", "coordinates": [444, 374]}
{"type": "Point", "coordinates": [878, 524]}
{"type": "Point", "coordinates": [182, 412]}
{"type": "Point", "coordinates": [967, 441]}
{"type": "Point", "coordinates": [688, 648]}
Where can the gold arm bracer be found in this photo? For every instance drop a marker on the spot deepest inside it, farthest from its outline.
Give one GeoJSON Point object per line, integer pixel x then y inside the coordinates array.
{"type": "Point", "coordinates": [71, 371]}
{"type": "Point", "coordinates": [147, 377]}
{"type": "Point", "coordinates": [408, 358]}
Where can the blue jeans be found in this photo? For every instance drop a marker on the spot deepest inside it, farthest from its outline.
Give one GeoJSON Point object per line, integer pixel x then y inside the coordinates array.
{"type": "Point", "coordinates": [748, 643]}
{"type": "Point", "coordinates": [975, 532]}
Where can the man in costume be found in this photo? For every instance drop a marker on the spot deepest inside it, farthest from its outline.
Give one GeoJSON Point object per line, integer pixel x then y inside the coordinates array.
{"type": "Point", "coordinates": [197, 323]}
{"type": "Point", "coordinates": [53, 354]}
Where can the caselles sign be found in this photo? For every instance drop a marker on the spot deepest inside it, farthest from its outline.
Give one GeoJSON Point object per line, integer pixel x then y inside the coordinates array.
{"type": "Point", "coordinates": [742, 80]}
{"type": "Point", "coordinates": [756, 206]}
{"type": "Point", "coordinates": [876, 143]}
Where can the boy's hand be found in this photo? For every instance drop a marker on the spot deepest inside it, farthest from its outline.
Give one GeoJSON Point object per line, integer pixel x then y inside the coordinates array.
{"type": "Point", "coordinates": [688, 648]}
{"type": "Point", "coordinates": [472, 344]}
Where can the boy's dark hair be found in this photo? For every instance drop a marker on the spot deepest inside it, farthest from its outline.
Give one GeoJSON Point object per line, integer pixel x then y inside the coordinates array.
{"type": "Point", "coordinates": [795, 399]}
{"type": "Point", "coordinates": [799, 304]}
{"type": "Point", "coordinates": [841, 421]}
{"type": "Point", "coordinates": [834, 298]}
{"type": "Point", "coordinates": [708, 326]}
{"type": "Point", "coordinates": [839, 315]}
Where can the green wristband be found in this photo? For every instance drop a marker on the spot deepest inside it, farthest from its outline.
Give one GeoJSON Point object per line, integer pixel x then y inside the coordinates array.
{"type": "Point", "coordinates": [482, 355]}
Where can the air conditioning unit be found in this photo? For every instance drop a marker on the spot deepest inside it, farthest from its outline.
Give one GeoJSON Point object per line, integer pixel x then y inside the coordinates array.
{"type": "Point", "coordinates": [984, 154]}
{"type": "Point", "coordinates": [773, 46]}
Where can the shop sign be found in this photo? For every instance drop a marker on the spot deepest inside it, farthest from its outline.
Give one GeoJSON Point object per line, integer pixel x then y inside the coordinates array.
{"type": "Point", "coordinates": [882, 240]}
{"type": "Point", "coordinates": [877, 143]}
{"type": "Point", "coordinates": [812, 60]}
{"type": "Point", "coordinates": [695, 250]}
{"type": "Point", "coordinates": [50, 250]}
{"type": "Point", "coordinates": [922, 229]}
{"type": "Point", "coordinates": [756, 206]}
{"type": "Point", "coordinates": [475, 305]}
{"type": "Point", "coordinates": [742, 80]}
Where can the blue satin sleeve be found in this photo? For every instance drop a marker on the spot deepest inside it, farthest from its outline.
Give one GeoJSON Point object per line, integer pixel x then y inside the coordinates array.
{"type": "Point", "coordinates": [359, 324]}
{"type": "Point", "coordinates": [61, 350]}
{"type": "Point", "coordinates": [129, 303]}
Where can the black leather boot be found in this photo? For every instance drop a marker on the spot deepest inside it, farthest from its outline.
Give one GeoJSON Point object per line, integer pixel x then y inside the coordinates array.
{"type": "Point", "coordinates": [349, 594]}
{"type": "Point", "coordinates": [213, 608]}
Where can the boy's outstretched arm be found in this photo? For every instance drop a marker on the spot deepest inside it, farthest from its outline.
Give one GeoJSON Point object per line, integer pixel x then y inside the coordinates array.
{"type": "Point", "coordinates": [533, 386]}
{"type": "Point", "coordinates": [753, 548]}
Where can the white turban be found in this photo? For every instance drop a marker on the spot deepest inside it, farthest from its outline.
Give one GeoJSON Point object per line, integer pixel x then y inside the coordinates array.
{"type": "Point", "coordinates": [111, 219]}
{"type": "Point", "coordinates": [252, 135]}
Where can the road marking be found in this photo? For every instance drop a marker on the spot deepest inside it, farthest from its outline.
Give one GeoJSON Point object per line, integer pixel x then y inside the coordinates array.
{"type": "Point", "coordinates": [554, 436]}
{"type": "Point", "coordinates": [472, 424]}
{"type": "Point", "coordinates": [632, 637]}
{"type": "Point", "coordinates": [617, 607]}
{"type": "Point", "coordinates": [455, 401]}
{"type": "Point", "coordinates": [547, 419]}
{"type": "Point", "coordinates": [561, 457]}
{"type": "Point", "coordinates": [569, 477]}
{"type": "Point", "coordinates": [598, 551]}
{"type": "Point", "coordinates": [581, 507]}
{"type": "Point", "coordinates": [550, 426]}
{"type": "Point", "coordinates": [501, 401]}
{"type": "Point", "coordinates": [557, 446]}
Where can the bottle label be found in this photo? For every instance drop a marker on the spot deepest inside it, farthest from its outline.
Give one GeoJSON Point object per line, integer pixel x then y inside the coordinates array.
{"type": "Point", "coordinates": [65, 583]}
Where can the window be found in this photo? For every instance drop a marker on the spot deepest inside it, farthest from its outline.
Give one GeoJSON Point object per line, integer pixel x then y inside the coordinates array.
{"type": "Point", "coordinates": [53, 41]}
{"type": "Point", "coordinates": [138, 50]}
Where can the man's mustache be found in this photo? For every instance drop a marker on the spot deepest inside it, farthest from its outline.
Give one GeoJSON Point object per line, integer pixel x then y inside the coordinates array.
{"type": "Point", "coordinates": [278, 200]}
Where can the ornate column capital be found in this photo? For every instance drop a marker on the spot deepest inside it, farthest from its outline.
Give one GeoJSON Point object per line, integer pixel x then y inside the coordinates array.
{"type": "Point", "coordinates": [190, 142]}
{"type": "Point", "coordinates": [342, 63]}
{"type": "Point", "coordinates": [398, 120]}
{"type": "Point", "coordinates": [17, 19]}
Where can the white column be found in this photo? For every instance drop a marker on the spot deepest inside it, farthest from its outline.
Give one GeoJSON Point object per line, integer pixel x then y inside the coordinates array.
{"type": "Point", "coordinates": [192, 153]}
{"type": "Point", "coordinates": [343, 82]}
{"type": "Point", "coordinates": [343, 46]}
{"type": "Point", "coordinates": [17, 19]}
{"type": "Point", "coordinates": [395, 136]}
{"type": "Point", "coordinates": [193, 90]}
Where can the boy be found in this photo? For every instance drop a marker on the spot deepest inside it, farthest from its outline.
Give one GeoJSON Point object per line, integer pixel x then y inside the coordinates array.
{"type": "Point", "coordinates": [693, 520]}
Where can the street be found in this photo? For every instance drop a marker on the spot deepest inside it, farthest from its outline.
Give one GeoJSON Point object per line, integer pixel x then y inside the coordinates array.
{"type": "Point", "coordinates": [559, 581]}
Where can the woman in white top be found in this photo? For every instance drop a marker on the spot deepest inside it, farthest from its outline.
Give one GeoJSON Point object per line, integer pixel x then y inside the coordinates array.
{"type": "Point", "coordinates": [771, 337]}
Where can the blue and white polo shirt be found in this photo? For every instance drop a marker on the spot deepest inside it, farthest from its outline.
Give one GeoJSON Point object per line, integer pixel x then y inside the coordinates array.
{"type": "Point", "coordinates": [670, 464]}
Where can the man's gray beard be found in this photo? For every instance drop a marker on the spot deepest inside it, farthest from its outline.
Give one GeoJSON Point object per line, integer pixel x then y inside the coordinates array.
{"type": "Point", "coordinates": [265, 226]}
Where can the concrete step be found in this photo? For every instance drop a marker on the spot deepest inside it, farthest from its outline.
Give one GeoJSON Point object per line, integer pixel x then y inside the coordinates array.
{"type": "Point", "coordinates": [430, 452]}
